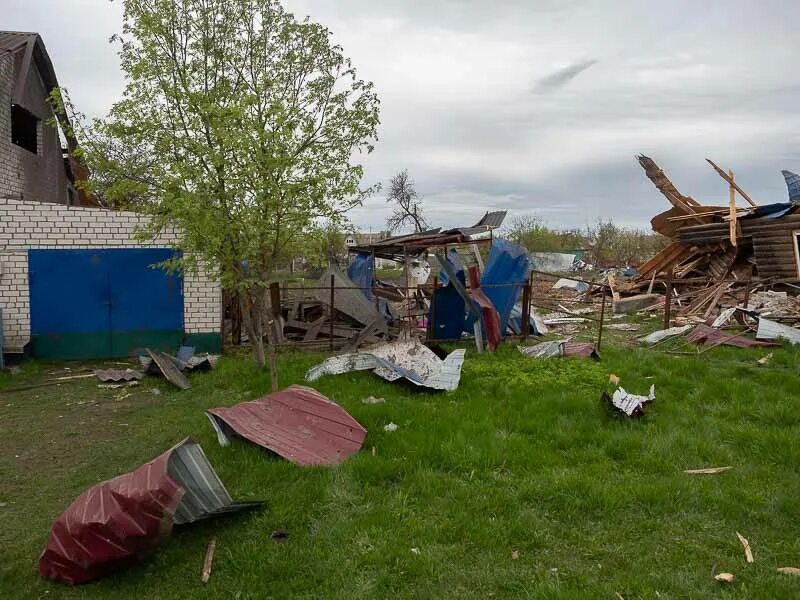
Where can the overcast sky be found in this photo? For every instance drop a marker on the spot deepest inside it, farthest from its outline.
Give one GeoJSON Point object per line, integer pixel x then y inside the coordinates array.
{"type": "Point", "coordinates": [535, 106]}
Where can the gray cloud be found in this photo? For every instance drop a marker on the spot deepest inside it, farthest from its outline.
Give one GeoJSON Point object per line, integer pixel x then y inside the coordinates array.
{"type": "Point", "coordinates": [561, 77]}
{"type": "Point", "coordinates": [675, 80]}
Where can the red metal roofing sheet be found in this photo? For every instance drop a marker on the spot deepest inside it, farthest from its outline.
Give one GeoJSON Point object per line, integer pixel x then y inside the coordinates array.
{"type": "Point", "coordinates": [298, 423]}
{"type": "Point", "coordinates": [111, 522]}
{"type": "Point", "coordinates": [703, 334]}
{"type": "Point", "coordinates": [491, 318]}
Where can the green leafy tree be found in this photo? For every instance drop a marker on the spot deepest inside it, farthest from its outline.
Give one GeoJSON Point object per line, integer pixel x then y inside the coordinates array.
{"type": "Point", "coordinates": [240, 126]}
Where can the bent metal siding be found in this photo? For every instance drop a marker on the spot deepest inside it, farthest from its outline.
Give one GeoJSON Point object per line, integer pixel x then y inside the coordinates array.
{"type": "Point", "coordinates": [27, 225]}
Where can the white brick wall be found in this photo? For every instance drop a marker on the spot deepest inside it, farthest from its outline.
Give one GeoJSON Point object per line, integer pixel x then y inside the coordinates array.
{"type": "Point", "coordinates": [25, 225]}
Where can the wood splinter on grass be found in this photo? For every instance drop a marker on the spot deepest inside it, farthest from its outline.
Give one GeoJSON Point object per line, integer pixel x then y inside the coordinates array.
{"type": "Point", "coordinates": [724, 577]}
{"type": "Point", "coordinates": [748, 553]}
{"type": "Point", "coordinates": [708, 471]}
{"type": "Point", "coordinates": [789, 571]}
{"type": "Point", "coordinates": [613, 379]}
{"type": "Point", "coordinates": [209, 559]}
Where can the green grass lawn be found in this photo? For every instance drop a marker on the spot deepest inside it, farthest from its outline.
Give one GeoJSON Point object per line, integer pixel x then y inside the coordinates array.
{"type": "Point", "coordinates": [521, 461]}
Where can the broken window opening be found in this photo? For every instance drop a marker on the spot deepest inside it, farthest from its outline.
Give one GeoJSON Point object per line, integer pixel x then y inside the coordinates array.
{"type": "Point", "coordinates": [24, 129]}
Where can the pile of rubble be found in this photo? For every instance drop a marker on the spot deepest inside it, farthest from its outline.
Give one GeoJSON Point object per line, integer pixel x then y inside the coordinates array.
{"type": "Point", "coordinates": [719, 257]}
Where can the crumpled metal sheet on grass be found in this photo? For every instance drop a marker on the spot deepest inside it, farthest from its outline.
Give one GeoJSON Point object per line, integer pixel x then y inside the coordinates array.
{"type": "Point", "coordinates": [113, 522]}
{"type": "Point", "coordinates": [168, 369]}
{"type": "Point", "coordinates": [297, 423]}
{"type": "Point", "coordinates": [560, 348]}
{"type": "Point", "coordinates": [394, 360]}
{"type": "Point", "coordinates": [663, 334]}
{"type": "Point", "coordinates": [631, 405]}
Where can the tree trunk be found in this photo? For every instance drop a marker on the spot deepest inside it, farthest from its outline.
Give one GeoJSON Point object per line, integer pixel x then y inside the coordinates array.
{"type": "Point", "coordinates": [253, 313]}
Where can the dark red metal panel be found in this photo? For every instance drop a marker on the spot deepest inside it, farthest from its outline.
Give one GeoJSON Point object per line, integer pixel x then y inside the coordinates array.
{"type": "Point", "coordinates": [491, 318]}
{"type": "Point", "coordinates": [110, 523]}
{"type": "Point", "coordinates": [298, 423]}
{"type": "Point", "coordinates": [703, 334]}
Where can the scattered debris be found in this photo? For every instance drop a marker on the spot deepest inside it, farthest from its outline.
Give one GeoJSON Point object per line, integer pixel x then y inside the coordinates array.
{"type": "Point", "coordinates": [394, 360]}
{"type": "Point", "coordinates": [789, 571]}
{"type": "Point", "coordinates": [298, 423]}
{"type": "Point", "coordinates": [168, 369]}
{"type": "Point", "coordinates": [707, 471]}
{"type": "Point", "coordinates": [155, 391]}
{"type": "Point", "coordinates": [748, 553]}
{"type": "Point", "coordinates": [121, 518]}
{"type": "Point", "coordinates": [373, 400]}
{"type": "Point", "coordinates": [770, 330]}
{"type": "Point", "coordinates": [212, 545]}
{"type": "Point", "coordinates": [109, 375]}
{"type": "Point", "coordinates": [613, 379]}
{"type": "Point", "coordinates": [571, 284]}
{"type": "Point", "coordinates": [279, 536]}
{"type": "Point", "coordinates": [515, 555]}
{"type": "Point", "coordinates": [415, 551]}
{"type": "Point", "coordinates": [765, 360]}
{"type": "Point", "coordinates": [662, 334]}
{"type": "Point", "coordinates": [724, 577]}
{"type": "Point", "coordinates": [724, 317]}
{"type": "Point", "coordinates": [390, 427]}
{"type": "Point", "coordinates": [116, 386]}
{"type": "Point", "coordinates": [632, 304]}
{"type": "Point", "coordinates": [629, 404]}
{"type": "Point", "coordinates": [623, 327]}
{"type": "Point", "coordinates": [560, 348]}
{"type": "Point", "coordinates": [703, 334]}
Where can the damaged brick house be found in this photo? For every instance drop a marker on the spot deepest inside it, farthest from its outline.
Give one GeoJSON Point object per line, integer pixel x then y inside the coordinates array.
{"type": "Point", "coordinates": [75, 282]}
{"type": "Point", "coordinates": [34, 164]}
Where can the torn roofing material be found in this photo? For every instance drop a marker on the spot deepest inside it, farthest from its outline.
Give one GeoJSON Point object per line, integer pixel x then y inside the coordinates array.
{"type": "Point", "coordinates": [630, 404]}
{"type": "Point", "coordinates": [297, 423]}
{"type": "Point", "coordinates": [770, 330]}
{"type": "Point", "coordinates": [348, 298]}
{"type": "Point", "coordinates": [703, 334]}
{"type": "Point", "coordinates": [106, 375]}
{"type": "Point", "coordinates": [559, 348]}
{"type": "Point", "coordinates": [168, 368]}
{"type": "Point", "coordinates": [113, 522]}
{"type": "Point", "coordinates": [395, 360]}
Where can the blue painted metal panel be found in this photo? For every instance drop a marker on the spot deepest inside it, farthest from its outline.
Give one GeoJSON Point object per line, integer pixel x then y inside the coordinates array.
{"type": "Point", "coordinates": [143, 296]}
{"type": "Point", "coordinates": [103, 303]}
{"type": "Point", "coordinates": [69, 291]}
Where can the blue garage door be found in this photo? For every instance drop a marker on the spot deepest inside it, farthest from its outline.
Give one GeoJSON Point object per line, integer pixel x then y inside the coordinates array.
{"type": "Point", "coordinates": [103, 303]}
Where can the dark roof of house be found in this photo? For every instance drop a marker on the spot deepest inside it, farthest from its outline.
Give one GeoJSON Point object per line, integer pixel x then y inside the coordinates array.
{"type": "Point", "coordinates": [31, 48]}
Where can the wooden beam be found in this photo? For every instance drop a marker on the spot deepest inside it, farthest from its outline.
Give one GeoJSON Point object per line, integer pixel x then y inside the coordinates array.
{"type": "Point", "coordinates": [732, 206]}
{"type": "Point", "coordinates": [727, 178]}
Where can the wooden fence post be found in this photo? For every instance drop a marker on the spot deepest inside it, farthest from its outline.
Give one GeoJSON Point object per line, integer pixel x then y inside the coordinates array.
{"type": "Point", "coordinates": [602, 321]}
{"type": "Point", "coordinates": [668, 301]}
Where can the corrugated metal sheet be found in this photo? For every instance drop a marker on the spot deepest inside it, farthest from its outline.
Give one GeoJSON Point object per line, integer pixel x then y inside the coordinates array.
{"type": "Point", "coordinates": [553, 262]}
{"type": "Point", "coordinates": [106, 375]}
{"type": "Point", "coordinates": [770, 330]}
{"type": "Point", "coordinates": [793, 185]}
{"type": "Point", "coordinates": [703, 334]}
{"type": "Point", "coordinates": [394, 360]}
{"type": "Point", "coordinates": [298, 423]}
{"type": "Point", "coordinates": [492, 220]}
{"type": "Point", "coordinates": [489, 314]}
{"type": "Point", "coordinates": [114, 521]}
{"type": "Point", "coordinates": [559, 348]}
{"type": "Point", "coordinates": [348, 298]}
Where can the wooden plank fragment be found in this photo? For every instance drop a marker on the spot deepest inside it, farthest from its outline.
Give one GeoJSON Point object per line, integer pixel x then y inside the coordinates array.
{"type": "Point", "coordinates": [707, 471]}
{"type": "Point", "coordinates": [748, 553]}
{"type": "Point", "coordinates": [212, 545]}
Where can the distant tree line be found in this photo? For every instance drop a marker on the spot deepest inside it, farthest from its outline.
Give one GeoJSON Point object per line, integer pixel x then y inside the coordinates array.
{"type": "Point", "coordinates": [604, 243]}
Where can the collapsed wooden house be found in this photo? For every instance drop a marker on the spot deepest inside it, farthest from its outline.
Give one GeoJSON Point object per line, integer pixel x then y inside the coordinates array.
{"type": "Point", "coordinates": [717, 255]}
